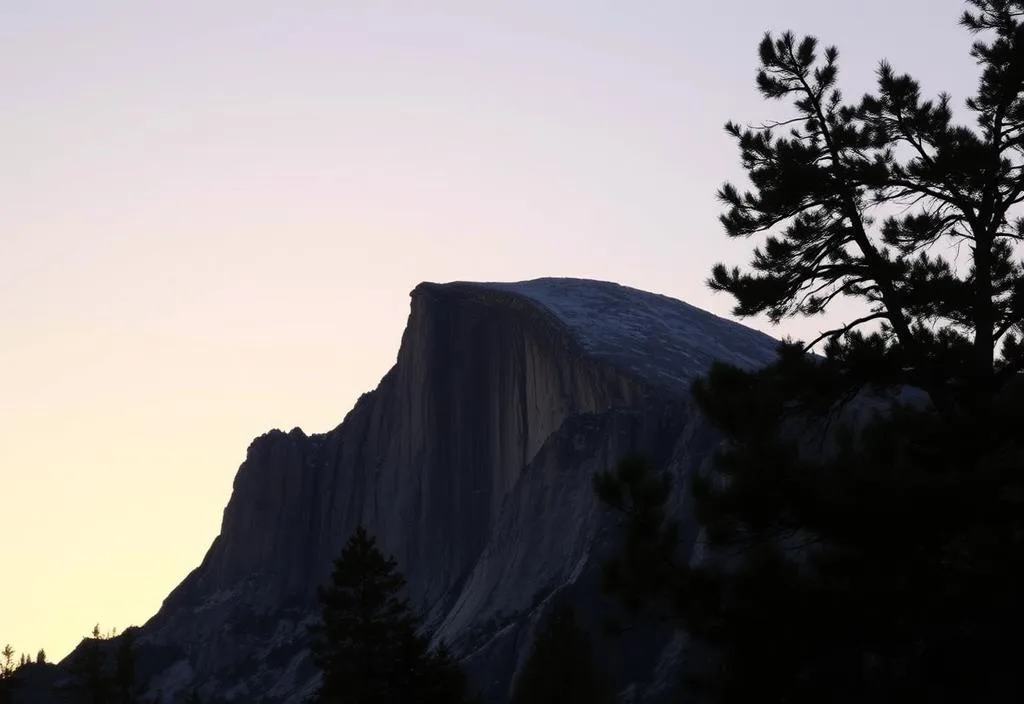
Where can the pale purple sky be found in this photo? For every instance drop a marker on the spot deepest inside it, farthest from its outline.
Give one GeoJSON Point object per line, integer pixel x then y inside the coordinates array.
{"type": "Point", "coordinates": [212, 213]}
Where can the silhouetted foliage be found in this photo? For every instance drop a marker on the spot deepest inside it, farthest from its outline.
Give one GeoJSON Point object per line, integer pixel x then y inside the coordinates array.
{"type": "Point", "coordinates": [91, 680]}
{"type": "Point", "coordinates": [7, 666]}
{"type": "Point", "coordinates": [888, 573]}
{"type": "Point", "coordinates": [8, 672]}
{"type": "Point", "coordinates": [884, 563]}
{"type": "Point", "coordinates": [561, 667]}
{"type": "Point", "coordinates": [933, 185]}
{"type": "Point", "coordinates": [367, 643]}
{"type": "Point", "coordinates": [41, 657]}
{"type": "Point", "coordinates": [102, 672]}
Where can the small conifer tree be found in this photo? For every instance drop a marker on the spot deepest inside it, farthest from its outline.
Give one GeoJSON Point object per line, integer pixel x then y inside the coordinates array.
{"type": "Point", "coordinates": [367, 643]}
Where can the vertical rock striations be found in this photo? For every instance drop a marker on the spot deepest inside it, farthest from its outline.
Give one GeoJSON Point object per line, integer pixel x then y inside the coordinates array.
{"type": "Point", "coordinates": [471, 462]}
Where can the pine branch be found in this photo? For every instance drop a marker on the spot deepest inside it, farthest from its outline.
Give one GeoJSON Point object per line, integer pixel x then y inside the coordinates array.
{"type": "Point", "coordinates": [840, 331]}
{"type": "Point", "coordinates": [871, 256]}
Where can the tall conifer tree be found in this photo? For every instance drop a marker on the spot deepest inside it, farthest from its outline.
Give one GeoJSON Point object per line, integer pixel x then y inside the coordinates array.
{"type": "Point", "coordinates": [885, 567]}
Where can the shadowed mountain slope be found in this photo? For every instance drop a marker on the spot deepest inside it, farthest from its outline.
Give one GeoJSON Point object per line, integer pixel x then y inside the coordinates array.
{"type": "Point", "coordinates": [471, 462]}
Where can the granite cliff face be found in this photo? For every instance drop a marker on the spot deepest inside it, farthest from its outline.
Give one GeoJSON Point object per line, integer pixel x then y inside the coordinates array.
{"type": "Point", "coordinates": [471, 462]}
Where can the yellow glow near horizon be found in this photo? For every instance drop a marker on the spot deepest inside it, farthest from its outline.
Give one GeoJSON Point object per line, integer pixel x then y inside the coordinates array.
{"type": "Point", "coordinates": [211, 215]}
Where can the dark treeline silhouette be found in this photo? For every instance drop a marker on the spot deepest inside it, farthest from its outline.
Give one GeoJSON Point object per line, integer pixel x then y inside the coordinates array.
{"type": "Point", "coordinates": [886, 564]}
{"type": "Point", "coordinates": [103, 670]}
{"type": "Point", "coordinates": [369, 645]}
{"type": "Point", "coordinates": [15, 673]}
{"type": "Point", "coordinates": [100, 671]}
{"type": "Point", "coordinates": [10, 661]}
{"type": "Point", "coordinates": [8, 674]}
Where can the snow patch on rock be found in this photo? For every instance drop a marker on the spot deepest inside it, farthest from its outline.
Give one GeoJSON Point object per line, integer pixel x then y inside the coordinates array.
{"type": "Point", "coordinates": [659, 338]}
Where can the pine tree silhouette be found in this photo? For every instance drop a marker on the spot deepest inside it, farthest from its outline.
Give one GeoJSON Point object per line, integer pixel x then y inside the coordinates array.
{"type": "Point", "coordinates": [886, 569]}
{"type": "Point", "coordinates": [367, 643]}
{"type": "Point", "coordinates": [8, 675]}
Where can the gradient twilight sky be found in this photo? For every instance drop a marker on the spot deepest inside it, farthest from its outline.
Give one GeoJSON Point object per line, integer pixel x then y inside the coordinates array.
{"type": "Point", "coordinates": [212, 213]}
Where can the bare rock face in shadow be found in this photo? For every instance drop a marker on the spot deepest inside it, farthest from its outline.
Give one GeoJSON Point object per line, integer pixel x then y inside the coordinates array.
{"type": "Point", "coordinates": [471, 462]}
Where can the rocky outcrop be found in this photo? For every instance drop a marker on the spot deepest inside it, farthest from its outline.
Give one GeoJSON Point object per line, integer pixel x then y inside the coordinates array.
{"type": "Point", "coordinates": [471, 462]}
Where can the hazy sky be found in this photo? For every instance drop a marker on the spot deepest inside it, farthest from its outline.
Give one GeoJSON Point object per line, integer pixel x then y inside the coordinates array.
{"type": "Point", "coordinates": [212, 213]}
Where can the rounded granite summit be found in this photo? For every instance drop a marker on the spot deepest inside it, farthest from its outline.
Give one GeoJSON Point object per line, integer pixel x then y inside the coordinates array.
{"type": "Point", "coordinates": [661, 339]}
{"type": "Point", "coordinates": [471, 463]}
